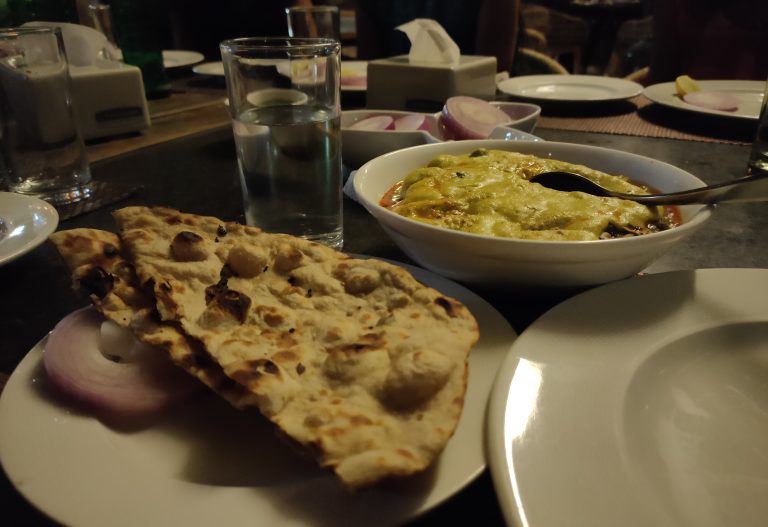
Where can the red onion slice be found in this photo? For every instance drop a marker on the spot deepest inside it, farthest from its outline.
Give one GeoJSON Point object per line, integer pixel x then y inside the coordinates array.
{"type": "Point", "coordinates": [354, 80]}
{"type": "Point", "coordinates": [142, 384]}
{"type": "Point", "coordinates": [471, 118]}
{"type": "Point", "coordinates": [376, 122]}
{"type": "Point", "coordinates": [713, 100]}
{"type": "Point", "coordinates": [412, 122]}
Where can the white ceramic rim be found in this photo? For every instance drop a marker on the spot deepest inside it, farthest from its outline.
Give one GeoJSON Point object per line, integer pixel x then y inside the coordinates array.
{"type": "Point", "coordinates": [38, 219]}
{"type": "Point", "coordinates": [393, 219]}
{"type": "Point", "coordinates": [582, 409]}
{"type": "Point", "coordinates": [623, 88]}
{"type": "Point", "coordinates": [664, 94]}
{"type": "Point", "coordinates": [178, 58]}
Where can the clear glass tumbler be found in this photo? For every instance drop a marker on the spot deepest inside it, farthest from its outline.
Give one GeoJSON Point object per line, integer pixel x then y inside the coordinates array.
{"type": "Point", "coordinates": [41, 149]}
{"type": "Point", "coordinates": [758, 159]}
{"type": "Point", "coordinates": [313, 21]}
{"type": "Point", "coordinates": [285, 104]}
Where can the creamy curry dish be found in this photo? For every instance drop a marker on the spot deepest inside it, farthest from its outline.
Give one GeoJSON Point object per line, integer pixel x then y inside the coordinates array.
{"type": "Point", "coordinates": [488, 192]}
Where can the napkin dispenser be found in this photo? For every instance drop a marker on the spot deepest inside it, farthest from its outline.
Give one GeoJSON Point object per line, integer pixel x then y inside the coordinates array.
{"type": "Point", "coordinates": [108, 95]}
{"type": "Point", "coordinates": [108, 98]}
{"type": "Point", "coordinates": [397, 83]}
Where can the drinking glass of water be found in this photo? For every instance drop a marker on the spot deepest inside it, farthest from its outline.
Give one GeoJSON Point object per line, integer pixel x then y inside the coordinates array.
{"type": "Point", "coordinates": [313, 21]}
{"type": "Point", "coordinates": [285, 105]}
{"type": "Point", "coordinates": [758, 159]}
{"type": "Point", "coordinates": [41, 149]}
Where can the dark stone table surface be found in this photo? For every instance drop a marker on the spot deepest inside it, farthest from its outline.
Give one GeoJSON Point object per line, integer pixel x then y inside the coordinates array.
{"type": "Point", "coordinates": [198, 175]}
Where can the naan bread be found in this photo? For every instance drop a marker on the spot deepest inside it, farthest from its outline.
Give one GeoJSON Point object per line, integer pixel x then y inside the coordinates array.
{"type": "Point", "coordinates": [353, 359]}
{"type": "Point", "coordinates": [98, 266]}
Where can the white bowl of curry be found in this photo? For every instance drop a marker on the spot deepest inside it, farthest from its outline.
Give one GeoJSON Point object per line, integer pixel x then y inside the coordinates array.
{"type": "Point", "coordinates": [465, 210]}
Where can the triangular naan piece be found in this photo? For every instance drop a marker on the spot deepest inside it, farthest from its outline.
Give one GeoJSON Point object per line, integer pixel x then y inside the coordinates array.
{"type": "Point", "coordinates": [98, 266]}
{"type": "Point", "coordinates": [353, 359]}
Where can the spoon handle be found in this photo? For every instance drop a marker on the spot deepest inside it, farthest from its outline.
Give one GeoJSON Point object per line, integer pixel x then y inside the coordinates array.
{"type": "Point", "coordinates": [749, 188]}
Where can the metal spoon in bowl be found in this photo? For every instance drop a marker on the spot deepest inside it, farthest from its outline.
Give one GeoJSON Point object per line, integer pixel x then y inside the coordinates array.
{"type": "Point", "coordinates": [749, 188]}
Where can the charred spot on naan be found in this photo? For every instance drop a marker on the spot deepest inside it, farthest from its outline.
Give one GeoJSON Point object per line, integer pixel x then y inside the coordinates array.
{"type": "Point", "coordinates": [450, 306]}
{"type": "Point", "coordinates": [96, 281]}
{"type": "Point", "coordinates": [255, 369]}
{"type": "Point", "coordinates": [226, 307]}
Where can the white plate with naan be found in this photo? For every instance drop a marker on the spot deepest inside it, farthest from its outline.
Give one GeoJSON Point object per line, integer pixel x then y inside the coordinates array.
{"type": "Point", "coordinates": [210, 463]}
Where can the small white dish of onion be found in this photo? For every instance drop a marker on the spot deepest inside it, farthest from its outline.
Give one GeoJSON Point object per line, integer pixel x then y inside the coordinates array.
{"type": "Point", "coordinates": [367, 134]}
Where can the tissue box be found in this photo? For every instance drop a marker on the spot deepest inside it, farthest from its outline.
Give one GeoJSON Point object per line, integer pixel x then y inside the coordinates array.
{"type": "Point", "coordinates": [395, 83]}
{"type": "Point", "coordinates": [108, 99]}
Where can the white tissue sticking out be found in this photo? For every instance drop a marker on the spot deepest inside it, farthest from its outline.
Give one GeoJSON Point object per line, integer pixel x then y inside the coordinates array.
{"type": "Point", "coordinates": [84, 44]}
{"type": "Point", "coordinates": [430, 42]}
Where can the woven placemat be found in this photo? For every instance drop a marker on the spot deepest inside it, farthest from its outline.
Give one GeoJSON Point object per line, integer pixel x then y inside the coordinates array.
{"type": "Point", "coordinates": [641, 117]}
{"type": "Point", "coordinates": [102, 194]}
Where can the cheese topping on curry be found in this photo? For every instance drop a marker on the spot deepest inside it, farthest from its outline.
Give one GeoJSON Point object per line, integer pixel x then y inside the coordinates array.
{"type": "Point", "coordinates": [488, 192]}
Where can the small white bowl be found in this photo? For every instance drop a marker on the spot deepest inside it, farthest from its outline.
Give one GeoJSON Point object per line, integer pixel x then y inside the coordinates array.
{"type": "Point", "coordinates": [488, 260]}
{"type": "Point", "coordinates": [360, 146]}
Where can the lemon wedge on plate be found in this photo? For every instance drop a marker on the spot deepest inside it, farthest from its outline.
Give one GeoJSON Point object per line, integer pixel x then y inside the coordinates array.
{"type": "Point", "coordinates": [685, 85]}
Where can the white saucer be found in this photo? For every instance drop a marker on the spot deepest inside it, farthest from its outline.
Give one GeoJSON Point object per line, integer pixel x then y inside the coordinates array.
{"type": "Point", "coordinates": [26, 223]}
{"type": "Point", "coordinates": [178, 58]}
{"type": "Point", "coordinates": [748, 93]}
{"type": "Point", "coordinates": [643, 402]}
{"type": "Point", "coordinates": [570, 88]}
{"type": "Point", "coordinates": [210, 68]}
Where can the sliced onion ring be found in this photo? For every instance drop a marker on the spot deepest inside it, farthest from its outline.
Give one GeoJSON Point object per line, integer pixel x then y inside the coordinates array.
{"type": "Point", "coordinates": [114, 391]}
{"type": "Point", "coordinates": [471, 118]}
{"type": "Point", "coordinates": [713, 100]}
{"type": "Point", "coordinates": [354, 80]}
{"type": "Point", "coordinates": [375, 122]}
{"type": "Point", "coordinates": [411, 122]}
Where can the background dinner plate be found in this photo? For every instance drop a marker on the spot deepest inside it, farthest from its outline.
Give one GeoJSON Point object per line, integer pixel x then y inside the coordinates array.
{"type": "Point", "coordinates": [210, 463]}
{"type": "Point", "coordinates": [177, 58]}
{"type": "Point", "coordinates": [354, 69]}
{"type": "Point", "coordinates": [25, 223]}
{"type": "Point", "coordinates": [643, 402]}
{"type": "Point", "coordinates": [210, 68]}
{"type": "Point", "coordinates": [570, 88]}
{"type": "Point", "coordinates": [348, 67]}
{"type": "Point", "coordinates": [749, 94]}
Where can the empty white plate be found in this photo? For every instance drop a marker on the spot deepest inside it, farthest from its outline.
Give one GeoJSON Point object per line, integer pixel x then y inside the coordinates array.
{"type": "Point", "coordinates": [570, 88]}
{"type": "Point", "coordinates": [210, 68]}
{"type": "Point", "coordinates": [643, 402]}
{"type": "Point", "coordinates": [178, 58]}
